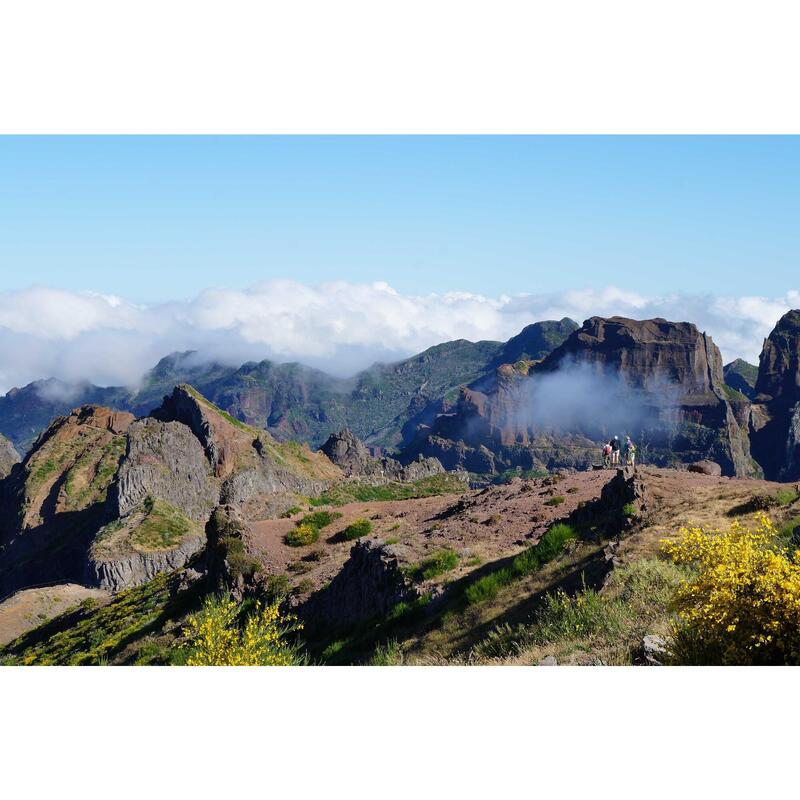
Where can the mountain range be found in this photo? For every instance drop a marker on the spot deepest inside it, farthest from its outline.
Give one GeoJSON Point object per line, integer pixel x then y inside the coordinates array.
{"type": "Point", "coordinates": [179, 491]}
{"type": "Point", "coordinates": [292, 401]}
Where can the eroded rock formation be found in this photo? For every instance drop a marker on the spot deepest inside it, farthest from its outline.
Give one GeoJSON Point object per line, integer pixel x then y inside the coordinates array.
{"type": "Point", "coordinates": [659, 381]}
{"type": "Point", "coordinates": [349, 453]}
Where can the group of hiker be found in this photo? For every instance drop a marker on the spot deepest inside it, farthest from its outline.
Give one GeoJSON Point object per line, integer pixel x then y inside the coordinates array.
{"type": "Point", "coordinates": [612, 449]}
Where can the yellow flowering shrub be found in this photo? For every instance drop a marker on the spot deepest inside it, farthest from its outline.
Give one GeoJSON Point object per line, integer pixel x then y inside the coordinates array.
{"type": "Point", "coordinates": [742, 605]}
{"type": "Point", "coordinates": [218, 638]}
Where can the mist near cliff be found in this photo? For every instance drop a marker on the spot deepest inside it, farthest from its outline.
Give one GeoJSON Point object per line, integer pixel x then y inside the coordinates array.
{"type": "Point", "coordinates": [596, 401]}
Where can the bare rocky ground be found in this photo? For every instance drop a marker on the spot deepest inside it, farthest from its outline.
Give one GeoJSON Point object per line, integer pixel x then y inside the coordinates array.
{"type": "Point", "coordinates": [488, 524]}
{"type": "Point", "coordinates": [29, 608]}
{"type": "Point", "coordinates": [484, 527]}
{"type": "Point", "coordinates": [480, 525]}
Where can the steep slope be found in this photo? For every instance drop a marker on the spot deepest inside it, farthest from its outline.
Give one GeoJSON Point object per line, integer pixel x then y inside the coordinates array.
{"type": "Point", "coordinates": [55, 502]}
{"type": "Point", "coordinates": [775, 419]}
{"type": "Point", "coordinates": [657, 380]}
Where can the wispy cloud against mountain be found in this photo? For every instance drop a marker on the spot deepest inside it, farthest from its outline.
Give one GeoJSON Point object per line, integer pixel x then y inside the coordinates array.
{"type": "Point", "coordinates": [340, 327]}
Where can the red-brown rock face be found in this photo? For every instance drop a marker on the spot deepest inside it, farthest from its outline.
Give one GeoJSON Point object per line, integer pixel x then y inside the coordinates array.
{"type": "Point", "coordinates": [659, 381]}
{"type": "Point", "coordinates": [775, 420]}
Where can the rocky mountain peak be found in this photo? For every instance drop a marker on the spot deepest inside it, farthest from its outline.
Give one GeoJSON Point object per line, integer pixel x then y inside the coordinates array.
{"type": "Point", "coordinates": [347, 451]}
{"type": "Point", "coordinates": [779, 365]}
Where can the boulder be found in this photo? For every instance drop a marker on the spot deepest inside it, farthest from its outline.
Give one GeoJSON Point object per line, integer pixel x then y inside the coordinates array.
{"type": "Point", "coordinates": [369, 585]}
{"type": "Point", "coordinates": [349, 453]}
{"type": "Point", "coordinates": [654, 650]}
{"type": "Point", "coordinates": [705, 467]}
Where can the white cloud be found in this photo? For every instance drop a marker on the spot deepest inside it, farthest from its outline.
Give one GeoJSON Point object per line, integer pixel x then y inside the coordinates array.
{"type": "Point", "coordinates": [339, 327]}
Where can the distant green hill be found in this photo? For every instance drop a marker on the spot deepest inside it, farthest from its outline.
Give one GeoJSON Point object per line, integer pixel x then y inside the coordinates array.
{"type": "Point", "coordinates": [292, 401]}
{"type": "Point", "coordinates": [741, 376]}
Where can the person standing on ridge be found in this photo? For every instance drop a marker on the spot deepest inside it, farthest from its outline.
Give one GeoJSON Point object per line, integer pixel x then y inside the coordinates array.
{"type": "Point", "coordinates": [614, 451]}
{"type": "Point", "coordinates": [606, 455]}
{"type": "Point", "coordinates": [630, 452]}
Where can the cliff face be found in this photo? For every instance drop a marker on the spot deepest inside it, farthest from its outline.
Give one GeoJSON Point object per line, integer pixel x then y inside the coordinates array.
{"type": "Point", "coordinates": [56, 499]}
{"type": "Point", "coordinates": [659, 381]}
{"type": "Point", "coordinates": [8, 457]}
{"type": "Point", "coordinates": [775, 421]}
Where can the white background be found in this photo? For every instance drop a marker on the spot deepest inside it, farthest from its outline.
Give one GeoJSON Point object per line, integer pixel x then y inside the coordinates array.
{"type": "Point", "coordinates": [380, 67]}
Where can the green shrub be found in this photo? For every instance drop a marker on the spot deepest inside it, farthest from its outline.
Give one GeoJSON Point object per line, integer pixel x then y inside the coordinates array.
{"type": "Point", "coordinates": [276, 587]}
{"type": "Point", "coordinates": [339, 495]}
{"type": "Point", "coordinates": [487, 587]}
{"type": "Point", "coordinates": [357, 529]}
{"type": "Point", "coordinates": [387, 655]}
{"type": "Point", "coordinates": [290, 512]}
{"type": "Point", "coordinates": [436, 564]}
{"type": "Point", "coordinates": [785, 497]}
{"type": "Point", "coordinates": [407, 611]}
{"type": "Point", "coordinates": [555, 501]}
{"type": "Point", "coordinates": [301, 536]}
{"type": "Point", "coordinates": [334, 648]}
{"type": "Point", "coordinates": [320, 519]}
{"type": "Point", "coordinates": [526, 563]}
{"type": "Point", "coordinates": [629, 510]}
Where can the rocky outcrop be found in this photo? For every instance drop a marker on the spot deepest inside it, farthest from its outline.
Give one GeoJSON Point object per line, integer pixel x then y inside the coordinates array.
{"type": "Point", "coordinates": [8, 457]}
{"type": "Point", "coordinates": [136, 568]}
{"type": "Point", "coordinates": [535, 341]}
{"type": "Point", "coordinates": [705, 468]}
{"type": "Point", "coordinates": [229, 566]}
{"type": "Point", "coordinates": [349, 453]}
{"type": "Point", "coordinates": [55, 500]}
{"type": "Point", "coordinates": [248, 463]}
{"type": "Point", "coordinates": [624, 503]}
{"type": "Point", "coordinates": [164, 460]}
{"type": "Point", "coordinates": [369, 585]}
{"type": "Point", "coordinates": [106, 499]}
{"type": "Point", "coordinates": [659, 381]}
{"type": "Point", "coordinates": [775, 417]}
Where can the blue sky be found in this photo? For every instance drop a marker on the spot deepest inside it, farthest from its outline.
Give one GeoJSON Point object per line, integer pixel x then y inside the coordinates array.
{"type": "Point", "coordinates": [161, 218]}
{"type": "Point", "coordinates": [117, 251]}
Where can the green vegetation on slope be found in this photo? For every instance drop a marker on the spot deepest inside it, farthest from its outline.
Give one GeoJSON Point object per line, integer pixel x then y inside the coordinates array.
{"type": "Point", "coordinates": [435, 564]}
{"type": "Point", "coordinates": [96, 634]}
{"type": "Point", "coordinates": [527, 562]}
{"type": "Point", "coordinates": [608, 625]}
{"type": "Point", "coordinates": [163, 527]}
{"type": "Point", "coordinates": [352, 492]}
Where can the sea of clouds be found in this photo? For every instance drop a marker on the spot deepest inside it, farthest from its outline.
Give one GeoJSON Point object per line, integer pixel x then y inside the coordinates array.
{"type": "Point", "coordinates": [338, 327]}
